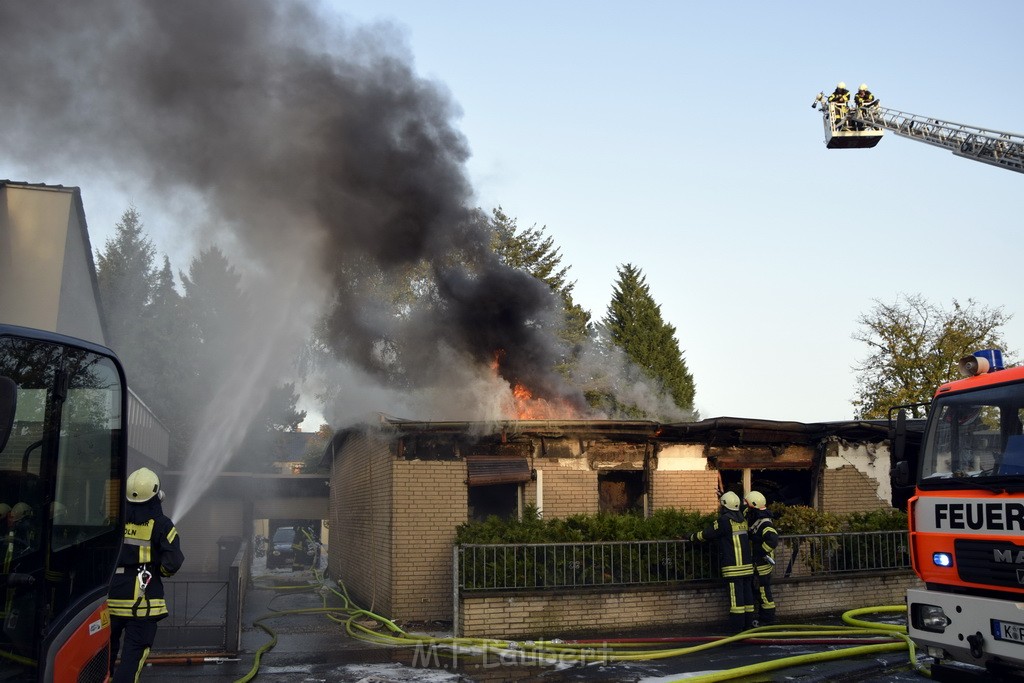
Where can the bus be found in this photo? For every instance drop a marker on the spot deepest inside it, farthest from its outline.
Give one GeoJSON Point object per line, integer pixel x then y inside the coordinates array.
{"type": "Point", "coordinates": [63, 460]}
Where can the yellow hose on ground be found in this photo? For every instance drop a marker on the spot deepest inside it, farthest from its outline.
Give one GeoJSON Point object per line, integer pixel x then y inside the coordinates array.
{"type": "Point", "coordinates": [879, 639]}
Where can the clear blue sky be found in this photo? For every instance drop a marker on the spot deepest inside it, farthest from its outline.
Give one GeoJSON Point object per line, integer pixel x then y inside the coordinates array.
{"type": "Point", "coordinates": [679, 137]}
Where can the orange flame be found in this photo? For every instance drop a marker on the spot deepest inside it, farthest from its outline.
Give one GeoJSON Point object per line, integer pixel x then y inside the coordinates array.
{"type": "Point", "coordinates": [526, 406]}
{"type": "Point", "coordinates": [529, 407]}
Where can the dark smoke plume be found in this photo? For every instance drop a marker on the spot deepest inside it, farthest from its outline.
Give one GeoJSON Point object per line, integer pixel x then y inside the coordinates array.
{"type": "Point", "coordinates": [333, 167]}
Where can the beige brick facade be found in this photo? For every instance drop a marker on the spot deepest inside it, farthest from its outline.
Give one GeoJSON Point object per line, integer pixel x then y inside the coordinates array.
{"type": "Point", "coordinates": [361, 521]}
{"type": "Point", "coordinates": [430, 501]}
{"type": "Point", "coordinates": [569, 491]}
{"type": "Point", "coordinates": [847, 489]}
{"type": "Point", "coordinates": [553, 615]}
{"type": "Point", "coordinates": [685, 490]}
{"type": "Point", "coordinates": [855, 477]}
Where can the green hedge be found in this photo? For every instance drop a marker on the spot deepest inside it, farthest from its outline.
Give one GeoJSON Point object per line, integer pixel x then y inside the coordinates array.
{"type": "Point", "coordinates": [665, 524]}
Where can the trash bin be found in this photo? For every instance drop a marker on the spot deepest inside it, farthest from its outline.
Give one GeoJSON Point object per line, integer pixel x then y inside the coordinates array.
{"type": "Point", "coordinates": [227, 547]}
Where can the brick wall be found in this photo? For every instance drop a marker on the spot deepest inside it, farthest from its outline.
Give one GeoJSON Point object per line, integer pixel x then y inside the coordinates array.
{"type": "Point", "coordinates": [430, 501]}
{"type": "Point", "coordinates": [361, 521]}
{"type": "Point", "coordinates": [568, 491]}
{"type": "Point", "coordinates": [685, 490]}
{"type": "Point", "coordinates": [847, 489]}
{"type": "Point", "coordinates": [554, 615]}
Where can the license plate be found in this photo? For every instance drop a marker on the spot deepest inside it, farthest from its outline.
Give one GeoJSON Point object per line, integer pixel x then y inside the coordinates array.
{"type": "Point", "coordinates": [1008, 630]}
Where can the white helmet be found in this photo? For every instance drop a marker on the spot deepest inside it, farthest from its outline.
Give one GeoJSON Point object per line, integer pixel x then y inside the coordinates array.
{"type": "Point", "coordinates": [730, 501]}
{"type": "Point", "coordinates": [5, 509]}
{"type": "Point", "coordinates": [841, 86]}
{"type": "Point", "coordinates": [143, 484]}
{"type": "Point", "coordinates": [755, 499]}
{"type": "Point", "coordinates": [21, 510]}
{"type": "Point", "coordinates": [863, 86]}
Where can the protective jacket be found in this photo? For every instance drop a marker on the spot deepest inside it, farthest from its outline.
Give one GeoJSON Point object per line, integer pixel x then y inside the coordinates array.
{"type": "Point", "coordinates": [864, 98]}
{"type": "Point", "coordinates": [763, 540]}
{"type": "Point", "coordinates": [151, 551]}
{"type": "Point", "coordinates": [840, 96]}
{"type": "Point", "coordinates": [729, 532]}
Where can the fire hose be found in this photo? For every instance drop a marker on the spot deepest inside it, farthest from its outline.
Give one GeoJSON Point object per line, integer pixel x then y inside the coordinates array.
{"type": "Point", "coordinates": [864, 637]}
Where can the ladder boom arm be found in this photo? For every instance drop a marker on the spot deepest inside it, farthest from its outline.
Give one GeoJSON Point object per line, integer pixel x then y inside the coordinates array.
{"type": "Point", "coordinates": [993, 147]}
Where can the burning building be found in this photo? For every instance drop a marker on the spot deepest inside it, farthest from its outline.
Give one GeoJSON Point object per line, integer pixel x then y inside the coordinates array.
{"type": "Point", "coordinates": [399, 489]}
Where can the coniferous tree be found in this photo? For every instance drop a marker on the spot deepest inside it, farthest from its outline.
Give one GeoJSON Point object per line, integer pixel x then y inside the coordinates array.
{"type": "Point", "coordinates": [127, 277]}
{"type": "Point", "coordinates": [218, 311]}
{"type": "Point", "coordinates": [634, 323]}
{"type": "Point", "coordinates": [534, 252]}
{"type": "Point", "coordinates": [170, 346]}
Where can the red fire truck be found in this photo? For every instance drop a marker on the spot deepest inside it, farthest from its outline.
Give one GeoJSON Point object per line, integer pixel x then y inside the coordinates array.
{"type": "Point", "coordinates": [967, 522]}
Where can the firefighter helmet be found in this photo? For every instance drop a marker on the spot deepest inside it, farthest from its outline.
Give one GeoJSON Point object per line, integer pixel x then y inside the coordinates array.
{"type": "Point", "coordinates": [730, 501]}
{"type": "Point", "coordinates": [5, 510]}
{"type": "Point", "coordinates": [755, 499]}
{"type": "Point", "coordinates": [143, 484]}
{"type": "Point", "coordinates": [21, 510]}
{"type": "Point", "coordinates": [841, 86]}
{"type": "Point", "coordinates": [863, 86]}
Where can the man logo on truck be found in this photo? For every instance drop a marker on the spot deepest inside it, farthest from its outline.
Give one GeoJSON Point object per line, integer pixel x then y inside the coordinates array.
{"type": "Point", "coordinates": [1011, 556]}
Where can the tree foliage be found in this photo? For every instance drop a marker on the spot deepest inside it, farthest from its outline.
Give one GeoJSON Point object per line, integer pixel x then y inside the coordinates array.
{"type": "Point", "coordinates": [127, 279]}
{"type": "Point", "coordinates": [913, 347]}
{"type": "Point", "coordinates": [532, 251]}
{"type": "Point", "coordinates": [634, 323]}
{"type": "Point", "coordinates": [175, 346]}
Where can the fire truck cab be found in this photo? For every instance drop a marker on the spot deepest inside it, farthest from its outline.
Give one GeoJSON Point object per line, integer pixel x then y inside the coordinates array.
{"type": "Point", "coordinates": [967, 521]}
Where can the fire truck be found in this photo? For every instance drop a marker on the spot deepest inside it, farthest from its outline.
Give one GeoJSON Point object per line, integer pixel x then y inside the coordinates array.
{"type": "Point", "coordinates": [852, 127]}
{"type": "Point", "coordinates": [967, 521]}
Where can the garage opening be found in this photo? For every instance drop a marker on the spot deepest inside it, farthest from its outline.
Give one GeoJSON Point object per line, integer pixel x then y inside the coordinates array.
{"type": "Point", "coordinates": [792, 487]}
{"type": "Point", "coordinates": [621, 491]}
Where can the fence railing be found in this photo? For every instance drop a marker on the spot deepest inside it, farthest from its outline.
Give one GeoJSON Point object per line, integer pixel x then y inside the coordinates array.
{"type": "Point", "coordinates": [629, 563]}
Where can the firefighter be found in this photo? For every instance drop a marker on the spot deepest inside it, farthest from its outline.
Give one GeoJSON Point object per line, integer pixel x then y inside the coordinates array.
{"type": "Point", "coordinates": [864, 97]}
{"type": "Point", "coordinates": [22, 525]}
{"type": "Point", "coordinates": [865, 100]}
{"type": "Point", "coordinates": [840, 97]}
{"type": "Point", "coordinates": [151, 552]}
{"type": "Point", "coordinates": [763, 540]}
{"type": "Point", "coordinates": [730, 533]}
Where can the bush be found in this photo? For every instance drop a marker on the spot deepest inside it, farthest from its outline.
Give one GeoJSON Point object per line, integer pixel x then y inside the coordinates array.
{"type": "Point", "coordinates": [664, 524]}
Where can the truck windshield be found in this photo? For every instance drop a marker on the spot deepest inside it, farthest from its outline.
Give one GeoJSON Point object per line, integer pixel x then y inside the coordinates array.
{"type": "Point", "coordinates": [976, 434]}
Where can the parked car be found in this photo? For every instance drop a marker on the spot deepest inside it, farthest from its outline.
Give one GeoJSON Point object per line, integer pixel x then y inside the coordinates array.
{"type": "Point", "coordinates": [282, 552]}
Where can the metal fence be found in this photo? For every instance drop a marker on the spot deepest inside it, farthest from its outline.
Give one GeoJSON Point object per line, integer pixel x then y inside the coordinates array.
{"type": "Point", "coordinates": [205, 611]}
{"type": "Point", "coordinates": [631, 563]}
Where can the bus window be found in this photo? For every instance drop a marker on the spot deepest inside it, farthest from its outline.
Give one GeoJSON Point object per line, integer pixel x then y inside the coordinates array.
{"type": "Point", "coordinates": [59, 473]}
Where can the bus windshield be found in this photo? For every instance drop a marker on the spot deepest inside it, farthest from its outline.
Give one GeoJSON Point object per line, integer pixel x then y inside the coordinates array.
{"type": "Point", "coordinates": [976, 434]}
{"type": "Point", "coordinates": [59, 478]}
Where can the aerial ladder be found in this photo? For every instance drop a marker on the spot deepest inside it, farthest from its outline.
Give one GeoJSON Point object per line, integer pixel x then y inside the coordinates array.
{"type": "Point", "coordinates": [850, 127]}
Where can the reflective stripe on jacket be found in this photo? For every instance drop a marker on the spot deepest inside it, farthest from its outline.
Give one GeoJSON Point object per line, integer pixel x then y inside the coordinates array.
{"type": "Point", "coordinates": [151, 543]}
{"type": "Point", "coordinates": [729, 532]}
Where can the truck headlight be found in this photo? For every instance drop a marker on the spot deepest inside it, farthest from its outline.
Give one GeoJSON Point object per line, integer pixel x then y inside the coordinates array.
{"type": "Point", "coordinates": [929, 618]}
{"type": "Point", "coordinates": [942, 559]}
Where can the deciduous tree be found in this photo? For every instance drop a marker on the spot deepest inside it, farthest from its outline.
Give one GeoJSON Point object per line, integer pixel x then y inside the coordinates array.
{"type": "Point", "coordinates": [913, 347]}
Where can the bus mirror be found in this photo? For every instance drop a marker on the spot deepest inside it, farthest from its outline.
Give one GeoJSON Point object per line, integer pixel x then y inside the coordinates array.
{"type": "Point", "coordinates": [901, 473]}
{"type": "Point", "coordinates": [8, 406]}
